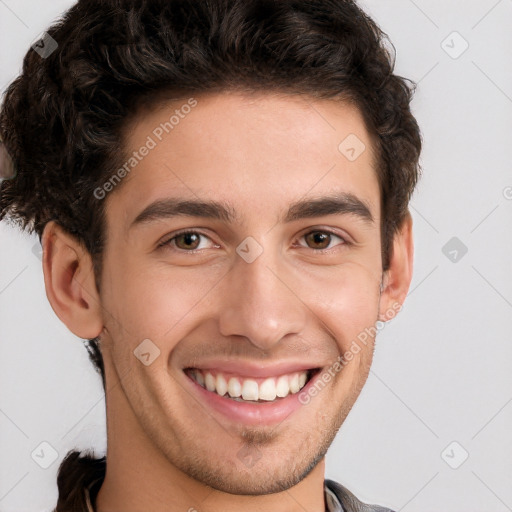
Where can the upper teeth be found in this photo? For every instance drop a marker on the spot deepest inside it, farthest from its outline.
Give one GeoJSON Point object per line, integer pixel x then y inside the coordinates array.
{"type": "Point", "coordinates": [250, 389]}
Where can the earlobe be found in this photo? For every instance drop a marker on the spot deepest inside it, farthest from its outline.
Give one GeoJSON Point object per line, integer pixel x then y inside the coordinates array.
{"type": "Point", "coordinates": [397, 278]}
{"type": "Point", "coordinates": [69, 282]}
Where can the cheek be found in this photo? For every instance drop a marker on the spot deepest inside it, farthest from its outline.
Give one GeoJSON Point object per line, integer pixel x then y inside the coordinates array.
{"type": "Point", "coordinates": [346, 301]}
{"type": "Point", "coordinates": [154, 300]}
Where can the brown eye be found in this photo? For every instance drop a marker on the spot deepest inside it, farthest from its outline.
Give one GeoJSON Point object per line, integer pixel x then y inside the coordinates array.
{"type": "Point", "coordinates": [187, 241]}
{"type": "Point", "coordinates": [318, 239]}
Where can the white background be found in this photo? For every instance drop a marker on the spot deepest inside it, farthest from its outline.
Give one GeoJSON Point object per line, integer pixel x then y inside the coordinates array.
{"type": "Point", "coordinates": [442, 367]}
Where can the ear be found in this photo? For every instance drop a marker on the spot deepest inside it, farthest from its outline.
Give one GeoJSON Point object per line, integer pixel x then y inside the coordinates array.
{"type": "Point", "coordinates": [69, 282]}
{"type": "Point", "coordinates": [397, 278]}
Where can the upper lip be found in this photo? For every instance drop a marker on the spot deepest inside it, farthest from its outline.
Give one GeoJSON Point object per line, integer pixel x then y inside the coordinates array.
{"type": "Point", "coordinates": [250, 369]}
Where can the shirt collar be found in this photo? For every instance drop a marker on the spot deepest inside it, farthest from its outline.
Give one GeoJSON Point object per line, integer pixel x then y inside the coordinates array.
{"type": "Point", "coordinates": [332, 502]}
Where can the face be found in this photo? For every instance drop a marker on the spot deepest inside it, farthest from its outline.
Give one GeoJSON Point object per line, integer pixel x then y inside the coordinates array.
{"type": "Point", "coordinates": [244, 253]}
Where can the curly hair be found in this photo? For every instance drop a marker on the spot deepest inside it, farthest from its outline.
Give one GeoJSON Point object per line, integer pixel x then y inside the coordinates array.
{"type": "Point", "coordinates": [62, 119]}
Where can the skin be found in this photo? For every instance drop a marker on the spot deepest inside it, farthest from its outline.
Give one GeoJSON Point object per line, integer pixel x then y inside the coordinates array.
{"type": "Point", "coordinates": [260, 153]}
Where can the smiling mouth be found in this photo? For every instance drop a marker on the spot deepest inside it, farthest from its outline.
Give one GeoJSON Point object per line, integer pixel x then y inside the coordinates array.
{"type": "Point", "coordinates": [251, 390]}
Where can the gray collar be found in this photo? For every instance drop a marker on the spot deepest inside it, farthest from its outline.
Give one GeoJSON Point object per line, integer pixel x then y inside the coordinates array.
{"type": "Point", "coordinates": [332, 501]}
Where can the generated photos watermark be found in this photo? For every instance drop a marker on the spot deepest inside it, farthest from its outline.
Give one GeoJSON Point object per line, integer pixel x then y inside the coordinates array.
{"type": "Point", "coordinates": [362, 338]}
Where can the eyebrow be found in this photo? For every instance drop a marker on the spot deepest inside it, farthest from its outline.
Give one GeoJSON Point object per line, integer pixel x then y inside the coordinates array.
{"type": "Point", "coordinates": [337, 204]}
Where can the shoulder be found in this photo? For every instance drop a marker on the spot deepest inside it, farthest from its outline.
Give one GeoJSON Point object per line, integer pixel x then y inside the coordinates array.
{"type": "Point", "coordinates": [349, 502]}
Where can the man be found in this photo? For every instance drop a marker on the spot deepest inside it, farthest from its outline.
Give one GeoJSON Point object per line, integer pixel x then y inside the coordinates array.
{"type": "Point", "coordinates": [221, 191]}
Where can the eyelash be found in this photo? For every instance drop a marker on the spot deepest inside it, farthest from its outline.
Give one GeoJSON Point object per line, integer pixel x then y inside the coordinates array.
{"type": "Point", "coordinates": [168, 241]}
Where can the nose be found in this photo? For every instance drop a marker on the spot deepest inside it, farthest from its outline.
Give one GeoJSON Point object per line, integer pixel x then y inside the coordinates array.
{"type": "Point", "coordinates": [259, 303]}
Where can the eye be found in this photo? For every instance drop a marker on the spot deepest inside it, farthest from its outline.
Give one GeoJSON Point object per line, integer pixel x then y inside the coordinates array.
{"type": "Point", "coordinates": [189, 241]}
{"type": "Point", "coordinates": [320, 240]}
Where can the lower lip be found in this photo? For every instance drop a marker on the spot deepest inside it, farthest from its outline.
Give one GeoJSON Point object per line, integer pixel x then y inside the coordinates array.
{"type": "Point", "coordinates": [264, 413]}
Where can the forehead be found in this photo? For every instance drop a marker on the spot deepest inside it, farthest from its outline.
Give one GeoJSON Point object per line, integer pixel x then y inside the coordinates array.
{"type": "Point", "coordinates": [258, 153]}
